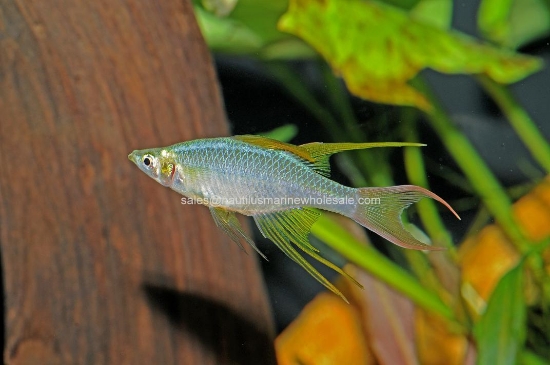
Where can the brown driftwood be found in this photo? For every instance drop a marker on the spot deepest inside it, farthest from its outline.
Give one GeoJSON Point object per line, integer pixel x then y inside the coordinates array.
{"type": "Point", "coordinates": [101, 264]}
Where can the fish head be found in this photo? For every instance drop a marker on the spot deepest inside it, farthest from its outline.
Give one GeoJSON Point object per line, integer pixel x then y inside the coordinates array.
{"type": "Point", "coordinates": [157, 163]}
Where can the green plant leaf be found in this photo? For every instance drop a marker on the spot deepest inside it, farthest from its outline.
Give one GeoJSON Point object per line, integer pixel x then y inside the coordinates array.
{"type": "Point", "coordinates": [283, 133]}
{"type": "Point", "coordinates": [373, 262]}
{"type": "Point", "coordinates": [378, 48]}
{"type": "Point", "coordinates": [226, 34]}
{"type": "Point", "coordinates": [513, 23]}
{"type": "Point", "coordinates": [219, 7]}
{"type": "Point", "coordinates": [500, 333]}
{"type": "Point", "coordinates": [529, 358]}
{"type": "Point", "coordinates": [438, 13]}
{"type": "Point", "coordinates": [250, 29]}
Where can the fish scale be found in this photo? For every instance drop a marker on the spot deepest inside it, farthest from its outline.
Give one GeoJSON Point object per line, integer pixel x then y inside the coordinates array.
{"type": "Point", "coordinates": [240, 172]}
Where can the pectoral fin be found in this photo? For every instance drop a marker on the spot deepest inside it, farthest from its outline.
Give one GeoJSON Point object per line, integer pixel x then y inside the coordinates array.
{"type": "Point", "coordinates": [293, 226]}
{"type": "Point", "coordinates": [229, 223]}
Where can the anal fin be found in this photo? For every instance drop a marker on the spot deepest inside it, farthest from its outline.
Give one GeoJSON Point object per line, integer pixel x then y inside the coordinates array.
{"type": "Point", "coordinates": [293, 226]}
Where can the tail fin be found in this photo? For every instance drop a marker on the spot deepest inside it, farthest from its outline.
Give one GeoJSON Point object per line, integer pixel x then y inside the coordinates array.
{"type": "Point", "coordinates": [379, 209]}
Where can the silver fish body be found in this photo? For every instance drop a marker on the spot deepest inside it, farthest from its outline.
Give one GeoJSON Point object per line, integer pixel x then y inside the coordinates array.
{"type": "Point", "coordinates": [249, 179]}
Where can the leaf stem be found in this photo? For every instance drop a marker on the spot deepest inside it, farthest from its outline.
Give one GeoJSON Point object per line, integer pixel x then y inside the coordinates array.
{"type": "Point", "coordinates": [378, 265]}
{"type": "Point", "coordinates": [379, 175]}
{"type": "Point", "coordinates": [416, 173]}
{"type": "Point", "coordinates": [374, 174]}
{"type": "Point", "coordinates": [483, 181]}
{"type": "Point", "coordinates": [297, 89]}
{"type": "Point", "coordinates": [524, 126]}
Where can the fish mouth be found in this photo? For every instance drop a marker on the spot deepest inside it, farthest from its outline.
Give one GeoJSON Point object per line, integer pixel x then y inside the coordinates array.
{"type": "Point", "coordinates": [132, 157]}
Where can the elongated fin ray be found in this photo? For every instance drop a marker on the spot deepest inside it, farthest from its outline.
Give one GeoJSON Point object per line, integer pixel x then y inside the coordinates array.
{"type": "Point", "coordinates": [382, 214]}
{"type": "Point", "coordinates": [293, 226]}
{"type": "Point", "coordinates": [326, 262]}
{"type": "Point", "coordinates": [229, 223]}
{"type": "Point", "coordinates": [296, 225]}
{"type": "Point", "coordinates": [321, 152]}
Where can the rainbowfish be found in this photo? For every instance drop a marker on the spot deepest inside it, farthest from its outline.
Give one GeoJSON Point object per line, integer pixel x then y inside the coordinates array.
{"type": "Point", "coordinates": [281, 186]}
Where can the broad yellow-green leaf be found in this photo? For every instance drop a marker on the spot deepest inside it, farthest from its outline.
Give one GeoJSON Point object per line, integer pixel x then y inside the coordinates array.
{"type": "Point", "coordinates": [378, 48]}
{"type": "Point", "coordinates": [500, 333]}
{"type": "Point", "coordinates": [513, 23]}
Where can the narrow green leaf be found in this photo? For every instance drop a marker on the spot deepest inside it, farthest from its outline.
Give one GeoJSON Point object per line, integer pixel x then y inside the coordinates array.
{"type": "Point", "coordinates": [529, 358]}
{"type": "Point", "coordinates": [370, 260]}
{"type": "Point", "coordinates": [500, 333]}
{"type": "Point", "coordinates": [284, 133]}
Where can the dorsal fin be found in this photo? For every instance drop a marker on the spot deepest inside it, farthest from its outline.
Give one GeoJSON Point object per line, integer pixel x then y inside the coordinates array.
{"type": "Point", "coordinates": [321, 152]}
{"type": "Point", "coordinates": [317, 153]}
{"type": "Point", "coordinates": [276, 145]}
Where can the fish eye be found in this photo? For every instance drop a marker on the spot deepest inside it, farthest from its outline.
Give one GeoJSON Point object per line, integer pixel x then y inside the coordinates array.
{"type": "Point", "coordinates": [148, 160]}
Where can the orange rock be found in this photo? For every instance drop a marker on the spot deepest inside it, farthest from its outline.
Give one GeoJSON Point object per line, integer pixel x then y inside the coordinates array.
{"type": "Point", "coordinates": [437, 343]}
{"type": "Point", "coordinates": [328, 331]}
{"type": "Point", "coordinates": [484, 259]}
{"type": "Point", "coordinates": [532, 212]}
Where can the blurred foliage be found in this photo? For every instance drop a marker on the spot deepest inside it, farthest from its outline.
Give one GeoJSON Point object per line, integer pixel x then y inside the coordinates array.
{"type": "Point", "coordinates": [500, 332]}
{"type": "Point", "coordinates": [378, 68]}
{"type": "Point", "coordinates": [251, 29]}
{"type": "Point", "coordinates": [219, 7]}
{"type": "Point", "coordinates": [487, 302]}
{"type": "Point", "coordinates": [282, 133]}
{"type": "Point", "coordinates": [513, 23]}
{"type": "Point", "coordinates": [495, 285]}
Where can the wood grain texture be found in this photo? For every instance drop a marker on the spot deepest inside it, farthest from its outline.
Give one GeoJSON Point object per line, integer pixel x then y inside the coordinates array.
{"type": "Point", "coordinates": [101, 264]}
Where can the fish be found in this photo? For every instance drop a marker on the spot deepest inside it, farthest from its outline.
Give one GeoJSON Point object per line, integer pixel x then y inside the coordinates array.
{"type": "Point", "coordinates": [282, 187]}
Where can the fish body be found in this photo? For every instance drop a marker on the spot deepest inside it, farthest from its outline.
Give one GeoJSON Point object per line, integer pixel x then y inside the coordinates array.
{"type": "Point", "coordinates": [281, 186]}
{"type": "Point", "coordinates": [250, 179]}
